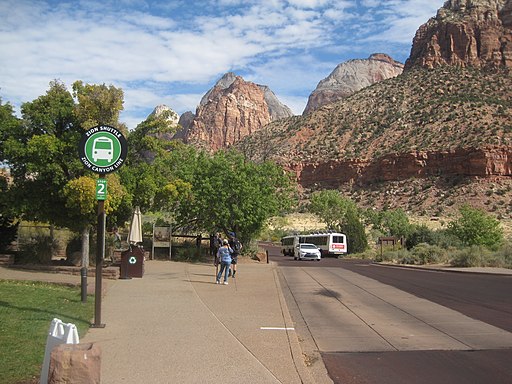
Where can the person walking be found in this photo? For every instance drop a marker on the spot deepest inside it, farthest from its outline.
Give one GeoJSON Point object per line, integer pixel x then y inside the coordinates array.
{"type": "Point", "coordinates": [236, 246]}
{"type": "Point", "coordinates": [224, 258]}
{"type": "Point", "coordinates": [217, 243]}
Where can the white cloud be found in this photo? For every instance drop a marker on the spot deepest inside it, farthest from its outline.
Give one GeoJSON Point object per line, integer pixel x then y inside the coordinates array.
{"type": "Point", "coordinates": [156, 50]}
{"type": "Point", "coordinates": [401, 18]}
{"type": "Point", "coordinates": [295, 103]}
{"type": "Point", "coordinates": [308, 3]}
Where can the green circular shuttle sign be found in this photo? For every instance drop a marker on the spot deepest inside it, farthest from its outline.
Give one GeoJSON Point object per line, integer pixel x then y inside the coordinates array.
{"type": "Point", "coordinates": [103, 149]}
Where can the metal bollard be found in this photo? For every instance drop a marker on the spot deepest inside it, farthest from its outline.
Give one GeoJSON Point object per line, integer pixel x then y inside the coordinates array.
{"type": "Point", "coordinates": [83, 282]}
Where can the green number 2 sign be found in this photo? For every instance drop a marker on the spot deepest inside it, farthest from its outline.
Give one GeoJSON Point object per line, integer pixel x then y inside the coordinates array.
{"type": "Point", "coordinates": [101, 189]}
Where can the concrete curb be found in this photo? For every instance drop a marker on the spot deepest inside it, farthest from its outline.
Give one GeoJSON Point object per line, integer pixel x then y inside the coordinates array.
{"type": "Point", "coordinates": [311, 359]}
{"type": "Point", "coordinates": [473, 270]}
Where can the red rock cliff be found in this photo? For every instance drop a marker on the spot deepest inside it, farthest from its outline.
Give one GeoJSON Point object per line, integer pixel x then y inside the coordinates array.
{"type": "Point", "coordinates": [481, 162]}
{"type": "Point", "coordinates": [465, 33]}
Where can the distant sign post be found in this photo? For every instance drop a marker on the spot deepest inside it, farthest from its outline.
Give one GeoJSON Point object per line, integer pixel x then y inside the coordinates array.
{"type": "Point", "coordinates": [102, 150]}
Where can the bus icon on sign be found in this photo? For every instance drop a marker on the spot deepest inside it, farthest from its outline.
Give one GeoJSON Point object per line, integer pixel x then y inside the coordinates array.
{"type": "Point", "coordinates": [102, 149]}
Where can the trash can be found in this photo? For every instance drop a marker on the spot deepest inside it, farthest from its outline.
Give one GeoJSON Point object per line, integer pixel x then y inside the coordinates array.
{"type": "Point", "coordinates": [132, 263]}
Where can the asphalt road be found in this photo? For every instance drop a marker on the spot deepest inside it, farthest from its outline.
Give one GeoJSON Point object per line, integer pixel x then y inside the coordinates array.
{"type": "Point", "coordinates": [375, 324]}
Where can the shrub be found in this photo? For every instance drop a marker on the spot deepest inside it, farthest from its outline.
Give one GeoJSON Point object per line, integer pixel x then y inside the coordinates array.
{"type": "Point", "coordinates": [74, 245]}
{"type": "Point", "coordinates": [408, 257]}
{"type": "Point", "coordinates": [446, 239]}
{"type": "Point", "coordinates": [354, 230]}
{"type": "Point", "coordinates": [393, 256]}
{"type": "Point", "coordinates": [428, 254]}
{"type": "Point", "coordinates": [38, 250]}
{"type": "Point", "coordinates": [420, 234]}
{"type": "Point", "coordinates": [8, 232]}
{"type": "Point", "coordinates": [474, 256]}
{"type": "Point", "coordinates": [368, 254]}
{"type": "Point", "coordinates": [503, 257]}
{"type": "Point", "coordinates": [188, 253]}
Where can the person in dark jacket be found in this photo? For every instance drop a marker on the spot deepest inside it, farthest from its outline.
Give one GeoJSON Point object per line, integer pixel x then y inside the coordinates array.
{"type": "Point", "coordinates": [236, 246]}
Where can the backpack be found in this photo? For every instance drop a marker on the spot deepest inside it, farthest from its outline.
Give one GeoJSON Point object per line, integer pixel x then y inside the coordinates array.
{"type": "Point", "coordinates": [236, 246]}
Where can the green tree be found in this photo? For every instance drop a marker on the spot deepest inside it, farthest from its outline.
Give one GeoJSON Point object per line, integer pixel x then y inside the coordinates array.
{"type": "Point", "coordinates": [170, 197]}
{"type": "Point", "coordinates": [41, 151]}
{"type": "Point", "coordinates": [198, 191]}
{"type": "Point", "coordinates": [353, 228]}
{"type": "Point", "coordinates": [232, 194]}
{"type": "Point", "coordinates": [331, 207]}
{"type": "Point", "coordinates": [476, 227]}
{"type": "Point", "coordinates": [81, 205]}
{"type": "Point", "coordinates": [8, 223]}
{"type": "Point", "coordinates": [393, 222]}
{"type": "Point", "coordinates": [152, 161]}
{"type": "Point", "coordinates": [150, 139]}
{"type": "Point", "coordinates": [98, 104]}
{"type": "Point", "coordinates": [420, 234]}
{"type": "Point", "coordinates": [9, 123]}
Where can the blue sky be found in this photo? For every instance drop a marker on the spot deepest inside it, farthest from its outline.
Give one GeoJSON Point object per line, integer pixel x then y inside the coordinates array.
{"type": "Point", "coordinates": [173, 52]}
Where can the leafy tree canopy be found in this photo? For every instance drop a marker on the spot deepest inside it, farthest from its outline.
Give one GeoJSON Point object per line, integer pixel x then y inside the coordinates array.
{"type": "Point", "coordinates": [81, 203]}
{"type": "Point", "coordinates": [392, 222]}
{"type": "Point", "coordinates": [231, 194]}
{"type": "Point", "coordinates": [476, 227]}
{"type": "Point", "coordinates": [353, 228]}
{"type": "Point", "coordinates": [97, 104]}
{"type": "Point", "coordinates": [331, 207]}
{"type": "Point", "coordinates": [41, 149]}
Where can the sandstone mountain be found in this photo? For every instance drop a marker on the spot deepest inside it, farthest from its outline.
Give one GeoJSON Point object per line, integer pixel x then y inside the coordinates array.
{"type": "Point", "coordinates": [171, 116]}
{"type": "Point", "coordinates": [185, 122]}
{"type": "Point", "coordinates": [352, 76]}
{"type": "Point", "coordinates": [419, 141]}
{"type": "Point", "coordinates": [477, 33]}
{"type": "Point", "coordinates": [231, 110]}
{"type": "Point", "coordinates": [435, 137]}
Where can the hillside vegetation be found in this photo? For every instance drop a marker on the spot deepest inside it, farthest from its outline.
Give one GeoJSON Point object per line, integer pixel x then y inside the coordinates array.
{"type": "Point", "coordinates": [436, 110]}
{"type": "Point", "coordinates": [421, 110]}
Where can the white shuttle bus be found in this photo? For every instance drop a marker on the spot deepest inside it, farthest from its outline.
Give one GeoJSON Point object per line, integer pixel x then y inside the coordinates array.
{"type": "Point", "coordinates": [288, 244]}
{"type": "Point", "coordinates": [330, 244]}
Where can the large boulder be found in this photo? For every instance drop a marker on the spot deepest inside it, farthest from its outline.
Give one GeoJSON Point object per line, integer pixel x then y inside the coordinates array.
{"type": "Point", "coordinates": [75, 363]}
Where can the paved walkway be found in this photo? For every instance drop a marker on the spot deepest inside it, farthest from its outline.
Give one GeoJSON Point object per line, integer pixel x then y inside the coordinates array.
{"type": "Point", "coordinates": [175, 325]}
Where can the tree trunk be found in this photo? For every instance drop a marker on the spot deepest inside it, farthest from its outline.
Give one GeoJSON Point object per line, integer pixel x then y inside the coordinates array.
{"type": "Point", "coordinates": [85, 247]}
{"type": "Point", "coordinates": [52, 237]}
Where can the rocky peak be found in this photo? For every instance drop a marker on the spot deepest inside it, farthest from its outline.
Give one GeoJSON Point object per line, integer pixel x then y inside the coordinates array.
{"type": "Point", "coordinates": [465, 33]}
{"type": "Point", "coordinates": [185, 122]}
{"type": "Point", "coordinates": [172, 117]}
{"type": "Point", "coordinates": [231, 110]}
{"type": "Point", "coordinates": [224, 82]}
{"type": "Point", "coordinates": [277, 109]}
{"type": "Point", "coordinates": [352, 76]}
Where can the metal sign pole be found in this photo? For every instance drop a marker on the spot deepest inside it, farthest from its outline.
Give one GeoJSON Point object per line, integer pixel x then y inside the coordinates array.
{"type": "Point", "coordinates": [100, 255]}
{"type": "Point", "coordinates": [102, 149]}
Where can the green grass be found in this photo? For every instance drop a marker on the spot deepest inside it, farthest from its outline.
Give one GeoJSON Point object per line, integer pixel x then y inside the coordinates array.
{"type": "Point", "coordinates": [26, 311]}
